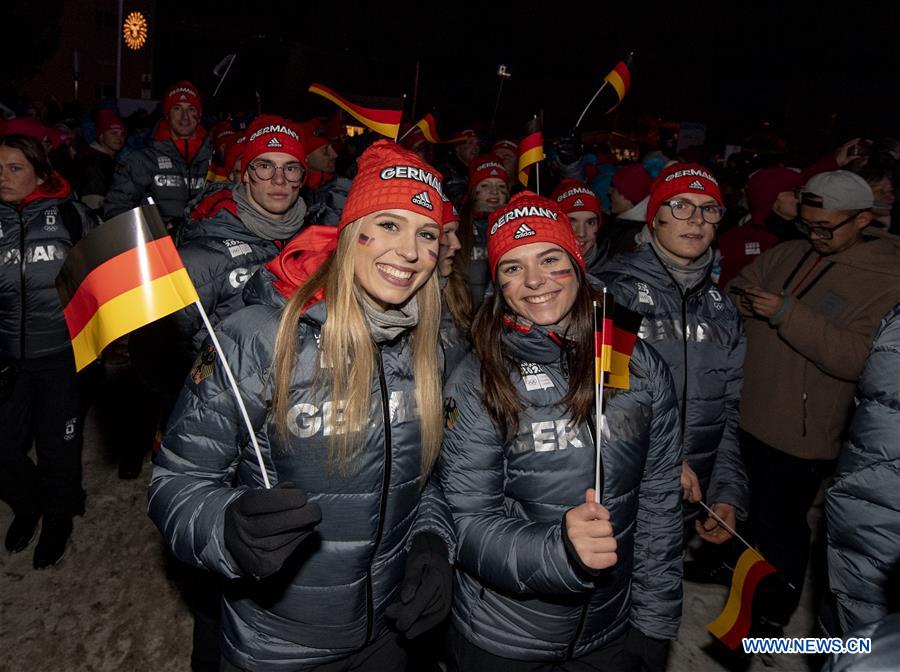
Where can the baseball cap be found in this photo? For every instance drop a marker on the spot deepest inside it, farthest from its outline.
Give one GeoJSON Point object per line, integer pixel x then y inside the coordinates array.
{"type": "Point", "coordinates": [837, 190]}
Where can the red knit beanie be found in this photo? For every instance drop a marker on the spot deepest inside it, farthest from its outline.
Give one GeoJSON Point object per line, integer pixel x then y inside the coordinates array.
{"type": "Point", "coordinates": [508, 145]}
{"type": "Point", "coordinates": [450, 214]}
{"type": "Point", "coordinates": [314, 135]}
{"type": "Point", "coordinates": [764, 186]}
{"type": "Point", "coordinates": [529, 218]}
{"type": "Point", "coordinates": [234, 151]}
{"type": "Point", "coordinates": [681, 178]}
{"type": "Point", "coordinates": [270, 133]}
{"type": "Point", "coordinates": [107, 120]}
{"type": "Point", "coordinates": [574, 196]}
{"type": "Point", "coordinates": [633, 182]}
{"type": "Point", "coordinates": [390, 177]}
{"type": "Point", "coordinates": [182, 93]}
{"type": "Point", "coordinates": [485, 167]}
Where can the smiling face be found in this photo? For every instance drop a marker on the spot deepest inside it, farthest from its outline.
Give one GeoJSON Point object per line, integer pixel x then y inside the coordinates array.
{"type": "Point", "coordinates": [448, 247]}
{"type": "Point", "coordinates": [539, 282]}
{"type": "Point", "coordinates": [183, 119]}
{"type": "Point", "coordinates": [396, 253]}
{"type": "Point", "coordinates": [490, 194]}
{"type": "Point", "coordinates": [275, 196]}
{"type": "Point", "coordinates": [684, 240]}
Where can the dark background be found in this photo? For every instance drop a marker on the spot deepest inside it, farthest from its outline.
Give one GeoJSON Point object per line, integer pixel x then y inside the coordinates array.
{"type": "Point", "coordinates": [799, 69]}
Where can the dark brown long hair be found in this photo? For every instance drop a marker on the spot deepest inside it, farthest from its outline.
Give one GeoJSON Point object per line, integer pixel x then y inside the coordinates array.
{"type": "Point", "coordinates": [457, 294]}
{"type": "Point", "coordinates": [502, 400]}
{"type": "Point", "coordinates": [36, 155]}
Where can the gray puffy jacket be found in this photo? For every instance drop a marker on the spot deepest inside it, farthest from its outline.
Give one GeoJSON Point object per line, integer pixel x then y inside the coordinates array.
{"type": "Point", "coordinates": [517, 593]}
{"type": "Point", "coordinates": [160, 171]}
{"type": "Point", "coordinates": [34, 242]}
{"type": "Point", "coordinates": [706, 359]}
{"type": "Point", "coordinates": [335, 601]}
{"type": "Point", "coordinates": [863, 504]}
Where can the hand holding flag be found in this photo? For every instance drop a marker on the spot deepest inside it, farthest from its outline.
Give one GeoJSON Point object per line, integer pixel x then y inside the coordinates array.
{"type": "Point", "coordinates": [123, 275]}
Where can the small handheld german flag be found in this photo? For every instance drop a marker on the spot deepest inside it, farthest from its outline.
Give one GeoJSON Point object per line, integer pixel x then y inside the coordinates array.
{"type": "Point", "coordinates": [125, 274]}
{"type": "Point", "coordinates": [428, 124]}
{"type": "Point", "coordinates": [615, 333]}
{"type": "Point", "coordinates": [733, 624]}
{"type": "Point", "coordinates": [531, 150]}
{"type": "Point", "coordinates": [619, 78]}
{"type": "Point", "coordinates": [382, 115]}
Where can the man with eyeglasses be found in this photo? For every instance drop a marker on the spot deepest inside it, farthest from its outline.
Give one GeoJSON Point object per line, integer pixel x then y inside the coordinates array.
{"type": "Point", "coordinates": [172, 168]}
{"type": "Point", "coordinates": [697, 330]}
{"type": "Point", "coordinates": [811, 308]}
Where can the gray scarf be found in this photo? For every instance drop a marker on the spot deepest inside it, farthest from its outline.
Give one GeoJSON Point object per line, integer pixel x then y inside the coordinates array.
{"type": "Point", "coordinates": [263, 226]}
{"type": "Point", "coordinates": [686, 275]}
{"type": "Point", "coordinates": [386, 325]}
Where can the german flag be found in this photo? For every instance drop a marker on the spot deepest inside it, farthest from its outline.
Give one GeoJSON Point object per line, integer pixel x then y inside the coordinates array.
{"type": "Point", "coordinates": [126, 273]}
{"type": "Point", "coordinates": [382, 115]}
{"type": "Point", "coordinates": [428, 126]}
{"type": "Point", "coordinates": [531, 150]}
{"type": "Point", "coordinates": [620, 79]}
{"type": "Point", "coordinates": [733, 624]}
{"type": "Point", "coordinates": [615, 333]}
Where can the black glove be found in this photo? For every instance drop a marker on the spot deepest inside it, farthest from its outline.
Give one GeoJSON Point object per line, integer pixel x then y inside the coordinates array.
{"type": "Point", "coordinates": [263, 527]}
{"type": "Point", "coordinates": [569, 147]}
{"type": "Point", "coordinates": [643, 653]}
{"type": "Point", "coordinates": [427, 587]}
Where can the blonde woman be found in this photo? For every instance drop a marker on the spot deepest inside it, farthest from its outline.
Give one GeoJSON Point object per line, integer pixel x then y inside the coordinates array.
{"type": "Point", "coordinates": [339, 369]}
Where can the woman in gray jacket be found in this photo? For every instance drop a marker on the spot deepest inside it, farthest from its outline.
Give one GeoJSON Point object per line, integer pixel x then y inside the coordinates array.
{"type": "Point", "coordinates": [546, 578]}
{"type": "Point", "coordinates": [338, 364]}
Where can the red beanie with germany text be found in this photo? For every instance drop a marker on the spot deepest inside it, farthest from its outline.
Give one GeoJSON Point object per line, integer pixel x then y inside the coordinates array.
{"type": "Point", "coordinates": [681, 178]}
{"type": "Point", "coordinates": [529, 218]}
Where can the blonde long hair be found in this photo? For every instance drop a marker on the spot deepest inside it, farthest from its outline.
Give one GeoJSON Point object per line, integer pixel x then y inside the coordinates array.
{"type": "Point", "coordinates": [346, 347]}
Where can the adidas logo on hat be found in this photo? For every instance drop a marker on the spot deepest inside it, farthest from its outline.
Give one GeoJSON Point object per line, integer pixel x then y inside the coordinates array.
{"type": "Point", "coordinates": [696, 184]}
{"type": "Point", "coordinates": [578, 202]}
{"type": "Point", "coordinates": [494, 172]}
{"type": "Point", "coordinates": [524, 231]}
{"type": "Point", "coordinates": [422, 200]}
{"type": "Point", "coordinates": [274, 142]}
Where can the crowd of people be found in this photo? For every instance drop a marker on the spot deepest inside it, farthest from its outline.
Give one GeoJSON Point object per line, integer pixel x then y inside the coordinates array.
{"type": "Point", "coordinates": [411, 331]}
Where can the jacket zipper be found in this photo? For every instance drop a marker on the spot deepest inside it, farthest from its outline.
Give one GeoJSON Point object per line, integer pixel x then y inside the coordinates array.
{"type": "Point", "coordinates": [385, 409]}
{"type": "Point", "coordinates": [22, 286]}
{"type": "Point", "coordinates": [684, 373]}
{"type": "Point", "coordinates": [570, 653]}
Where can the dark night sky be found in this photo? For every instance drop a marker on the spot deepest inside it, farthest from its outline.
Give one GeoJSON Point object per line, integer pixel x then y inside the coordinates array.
{"type": "Point", "coordinates": [807, 70]}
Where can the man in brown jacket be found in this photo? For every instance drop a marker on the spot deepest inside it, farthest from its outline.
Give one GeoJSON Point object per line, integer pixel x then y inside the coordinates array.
{"type": "Point", "coordinates": [810, 309]}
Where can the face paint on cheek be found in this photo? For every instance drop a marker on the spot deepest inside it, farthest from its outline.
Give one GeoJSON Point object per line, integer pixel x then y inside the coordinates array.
{"type": "Point", "coordinates": [565, 274]}
{"type": "Point", "coordinates": [433, 255]}
{"type": "Point", "coordinates": [364, 240]}
{"type": "Point", "coordinates": [504, 285]}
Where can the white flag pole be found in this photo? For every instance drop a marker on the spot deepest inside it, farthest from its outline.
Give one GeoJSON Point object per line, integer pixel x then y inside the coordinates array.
{"type": "Point", "coordinates": [598, 399]}
{"type": "Point", "coordinates": [237, 394]}
{"type": "Point", "coordinates": [588, 106]}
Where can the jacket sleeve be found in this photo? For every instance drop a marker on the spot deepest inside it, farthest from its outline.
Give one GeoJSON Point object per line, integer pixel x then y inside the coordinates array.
{"type": "Point", "coordinates": [434, 516]}
{"type": "Point", "coordinates": [728, 483]}
{"type": "Point", "coordinates": [840, 350]}
{"type": "Point", "coordinates": [656, 577]}
{"type": "Point", "coordinates": [511, 554]}
{"type": "Point", "coordinates": [192, 478]}
{"type": "Point", "coordinates": [205, 274]}
{"type": "Point", "coordinates": [127, 189]}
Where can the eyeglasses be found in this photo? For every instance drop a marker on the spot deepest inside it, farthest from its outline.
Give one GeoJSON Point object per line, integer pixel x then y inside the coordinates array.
{"type": "Point", "coordinates": [265, 171]}
{"type": "Point", "coordinates": [684, 210]}
{"type": "Point", "coordinates": [822, 232]}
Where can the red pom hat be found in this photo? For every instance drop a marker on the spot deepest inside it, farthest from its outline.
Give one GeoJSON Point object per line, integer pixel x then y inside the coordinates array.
{"type": "Point", "coordinates": [633, 182]}
{"type": "Point", "coordinates": [314, 135]}
{"type": "Point", "coordinates": [576, 196]}
{"type": "Point", "coordinates": [485, 167]}
{"type": "Point", "coordinates": [388, 177]}
{"type": "Point", "coordinates": [107, 120]}
{"type": "Point", "coordinates": [270, 133]}
{"type": "Point", "coordinates": [529, 218]}
{"type": "Point", "coordinates": [182, 92]}
{"type": "Point", "coordinates": [681, 178]}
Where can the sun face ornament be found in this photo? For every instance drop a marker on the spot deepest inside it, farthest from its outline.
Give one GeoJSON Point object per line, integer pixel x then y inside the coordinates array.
{"type": "Point", "coordinates": [134, 30]}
